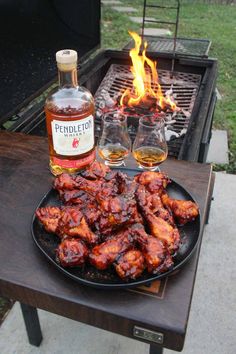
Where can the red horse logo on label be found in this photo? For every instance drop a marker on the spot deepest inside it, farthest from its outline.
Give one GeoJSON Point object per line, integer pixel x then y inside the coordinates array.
{"type": "Point", "coordinates": [75, 143]}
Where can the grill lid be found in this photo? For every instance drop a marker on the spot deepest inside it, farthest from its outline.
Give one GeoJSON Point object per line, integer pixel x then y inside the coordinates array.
{"type": "Point", "coordinates": [31, 33]}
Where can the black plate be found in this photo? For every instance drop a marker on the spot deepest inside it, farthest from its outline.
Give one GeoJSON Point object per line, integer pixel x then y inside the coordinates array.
{"type": "Point", "coordinates": [88, 275]}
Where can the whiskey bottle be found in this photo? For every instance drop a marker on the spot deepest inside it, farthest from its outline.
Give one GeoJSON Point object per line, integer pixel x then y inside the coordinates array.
{"type": "Point", "coordinates": [70, 119]}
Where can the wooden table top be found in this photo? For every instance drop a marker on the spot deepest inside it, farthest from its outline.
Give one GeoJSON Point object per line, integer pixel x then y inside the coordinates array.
{"type": "Point", "coordinates": [27, 276]}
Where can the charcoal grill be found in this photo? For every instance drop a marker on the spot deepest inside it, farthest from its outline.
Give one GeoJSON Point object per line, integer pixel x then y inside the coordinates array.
{"type": "Point", "coordinates": [185, 87]}
{"type": "Point", "coordinates": [193, 83]}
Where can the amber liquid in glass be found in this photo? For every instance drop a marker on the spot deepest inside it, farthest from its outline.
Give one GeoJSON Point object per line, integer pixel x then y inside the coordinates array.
{"type": "Point", "coordinates": [113, 153]}
{"type": "Point", "coordinates": [149, 156]}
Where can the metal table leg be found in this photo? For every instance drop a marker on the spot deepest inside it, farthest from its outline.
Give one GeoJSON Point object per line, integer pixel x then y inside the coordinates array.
{"type": "Point", "coordinates": [32, 324]}
{"type": "Point", "coordinates": [154, 349]}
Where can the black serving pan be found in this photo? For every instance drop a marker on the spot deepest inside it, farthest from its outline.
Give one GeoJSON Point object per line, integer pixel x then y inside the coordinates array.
{"type": "Point", "coordinates": [88, 275]}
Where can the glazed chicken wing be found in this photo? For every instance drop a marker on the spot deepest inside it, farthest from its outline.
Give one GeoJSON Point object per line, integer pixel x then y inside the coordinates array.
{"type": "Point", "coordinates": [65, 182]}
{"type": "Point", "coordinates": [156, 206]}
{"type": "Point", "coordinates": [160, 229]}
{"type": "Point", "coordinates": [130, 265]}
{"type": "Point", "coordinates": [49, 217]}
{"type": "Point", "coordinates": [154, 182]}
{"type": "Point", "coordinates": [73, 223]}
{"type": "Point", "coordinates": [183, 210]}
{"type": "Point", "coordinates": [154, 203]}
{"type": "Point", "coordinates": [91, 187]}
{"type": "Point", "coordinates": [158, 226]}
{"type": "Point", "coordinates": [107, 190]}
{"type": "Point", "coordinates": [85, 203]}
{"type": "Point", "coordinates": [125, 185]}
{"type": "Point", "coordinates": [72, 252]}
{"type": "Point", "coordinates": [75, 197]}
{"type": "Point", "coordinates": [157, 257]}
{"type": "Point", "coordinates": [67, 221]}
{"type": "Point", "coordinates": [103, 255]}
{"type": "Point", "coordinates": [96, 170]}
{"type": "Point", "coordinates": [117, 211]}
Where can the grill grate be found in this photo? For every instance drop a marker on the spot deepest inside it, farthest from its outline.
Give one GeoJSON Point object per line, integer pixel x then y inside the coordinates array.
{"type": "Point", "coordinates": [184, 87]}
{"type": "Point", "coordinates": [184, 46]}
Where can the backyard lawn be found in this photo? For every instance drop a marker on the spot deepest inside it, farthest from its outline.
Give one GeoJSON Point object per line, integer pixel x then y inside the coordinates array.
{"type": "Point", "coordinates": [197, 20]}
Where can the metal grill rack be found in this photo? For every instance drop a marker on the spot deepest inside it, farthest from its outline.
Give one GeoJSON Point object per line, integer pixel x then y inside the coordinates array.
{"type": "Point", "coordinates": [189, 47]}
{"type": "Point", "coordinates": [175, 45]}
{"type": "Point", "coordinates": [184, 86]}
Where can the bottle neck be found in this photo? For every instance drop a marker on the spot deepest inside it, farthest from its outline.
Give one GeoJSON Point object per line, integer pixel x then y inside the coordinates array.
{"type": "Point", "coordinates": [67, 78]}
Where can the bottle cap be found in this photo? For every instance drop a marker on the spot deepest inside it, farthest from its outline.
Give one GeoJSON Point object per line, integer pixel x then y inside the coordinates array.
{"type": "Point", "coordinates": [66, 56]}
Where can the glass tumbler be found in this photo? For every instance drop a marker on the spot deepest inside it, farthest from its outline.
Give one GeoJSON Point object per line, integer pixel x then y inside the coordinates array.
{"type": "Point", "coordinates": [114, 144]}
{"type": "Point", "coordinates": [150, 147]}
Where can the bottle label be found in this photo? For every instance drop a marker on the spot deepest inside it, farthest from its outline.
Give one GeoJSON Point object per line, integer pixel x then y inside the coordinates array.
{"type": "Point", "coordinates": [71, 138]}
{"type": "Point", "coordinates": [74, 163]}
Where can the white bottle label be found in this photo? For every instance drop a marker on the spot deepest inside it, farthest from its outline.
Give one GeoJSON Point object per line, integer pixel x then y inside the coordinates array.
{"type": "Point", "coordinates": [72, 138]}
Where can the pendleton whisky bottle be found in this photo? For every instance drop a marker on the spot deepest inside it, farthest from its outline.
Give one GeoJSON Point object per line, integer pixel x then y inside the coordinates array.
{"type": "Point", "coordinates": [70, 119]}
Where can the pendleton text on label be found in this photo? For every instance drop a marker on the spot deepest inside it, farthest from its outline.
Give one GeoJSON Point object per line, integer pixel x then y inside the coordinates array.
{"type": "Point", "coordinates": [72, 138]}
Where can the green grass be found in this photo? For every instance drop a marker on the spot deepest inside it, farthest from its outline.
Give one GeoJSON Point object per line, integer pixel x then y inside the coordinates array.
{"type": "Point", "coordinates": [197, 20]}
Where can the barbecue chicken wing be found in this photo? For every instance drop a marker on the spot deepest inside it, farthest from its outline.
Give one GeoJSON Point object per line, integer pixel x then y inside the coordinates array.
{"type": "Point", "coordinates": [72, 223]}
{"type": "Point", "coordinates": [160, 229]}
{"type": "Point", "coordinates": [69, 182]}
{"type": "Point", "coordinates": [117, 211]}
{"type": "Point", "coordinates": [75, 197]}
{"type": "Point", "coordinates": [156, 206]}
{"type": "Point", "coordinates": [103, 255]}
{"type": "Point", "coordinates": [183, 210]}
{"type": "Point", "coordinates": [65, 182]}
{"type": "Point", "coordinates": [158, 226]}
{"type": "Point", "coordinates": [66, 221]}
{"type": "Point", "coordinates": [157, 257]}
{"type": "Point", "coordinates": [91, 187]}
{"type": "Point", "coordinates": [130, 265]}
{"type": "Point", "coordinates": [107, 190]}
{"type": "Point", "coordinates": [125, 185]}
{"type": "Point", "coordinates": [96, 170]}
{"type": "Point", "coordinates": [72, 252]}
{"type": "Point", "coordinates": [154, 182]}
{"type": "Point", "coordinates": [49, 217]}
{"type": "Point", "coordinates": [85, 203]}
{"type": "Point", "coordinates": [154, 203]}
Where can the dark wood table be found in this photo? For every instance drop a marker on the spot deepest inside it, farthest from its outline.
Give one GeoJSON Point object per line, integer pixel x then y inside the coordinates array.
{"type": "Point", "coordinates": [158, 314]}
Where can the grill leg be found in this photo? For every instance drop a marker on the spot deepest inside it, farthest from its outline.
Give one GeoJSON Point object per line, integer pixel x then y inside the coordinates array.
{"type": "Point", "coordinates": [154, 349]}
{"type": "Point", "coordinates": [32, 324]}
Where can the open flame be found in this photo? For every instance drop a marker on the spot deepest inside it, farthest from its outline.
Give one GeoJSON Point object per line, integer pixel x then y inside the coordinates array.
{"type": "Point", "coordinates": [146, 87]}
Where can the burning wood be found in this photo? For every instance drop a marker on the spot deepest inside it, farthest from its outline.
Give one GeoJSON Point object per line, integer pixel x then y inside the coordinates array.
{"type": "Point", "coordinates": [146, 91]}
{"type": "Point", "coordinates": [106, 103]}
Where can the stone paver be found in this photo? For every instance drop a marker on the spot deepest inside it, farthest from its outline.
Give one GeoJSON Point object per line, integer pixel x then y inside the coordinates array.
{"type": "Point", "coordinates": [124, 9]}
{"type": "Point", "coordinates": [157, 32]}
{"type": "Point", "coordinates": [212, 321]}
{"type": "Point", "coordinates": [218, 149]}
{"type": "Point", "coordinates": [140, 19]}
{"type": "Point", "coordinates": [111, 2]}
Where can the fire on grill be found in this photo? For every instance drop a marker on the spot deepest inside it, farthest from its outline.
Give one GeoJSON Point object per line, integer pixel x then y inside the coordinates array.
{"type": "Point", "coordinates": [136, 90]}
{"type": "Point", "coordinates": [146, 92]}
